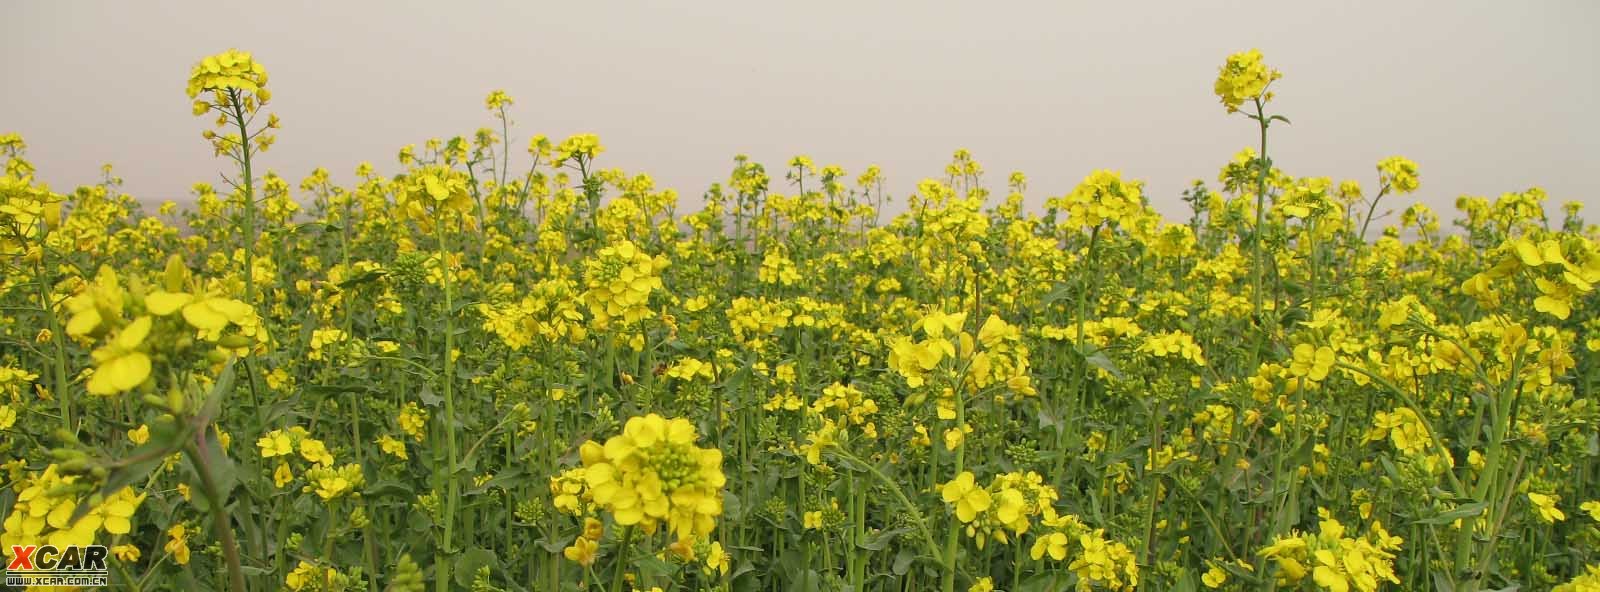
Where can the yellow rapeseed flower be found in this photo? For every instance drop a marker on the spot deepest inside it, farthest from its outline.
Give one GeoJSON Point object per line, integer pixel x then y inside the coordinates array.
{"type": "Point", "coordinates": [1244, 77]}
{"type": "Point", "coordinates": [653, 473]}
{"type": "Point", "coordinates": [968, 498]}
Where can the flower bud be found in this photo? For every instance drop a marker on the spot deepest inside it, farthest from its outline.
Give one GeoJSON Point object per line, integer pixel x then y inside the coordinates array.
{"type": "Point", "coordinates": [175, 401]}
{"type": "Point", "coordinates": [175, 275]}
{"type": "Point", "coordinates": [154, 401]}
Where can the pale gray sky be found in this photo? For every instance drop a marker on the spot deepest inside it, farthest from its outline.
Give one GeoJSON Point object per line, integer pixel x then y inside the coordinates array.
{"type": "Point", "coordinates": [1488, 96]}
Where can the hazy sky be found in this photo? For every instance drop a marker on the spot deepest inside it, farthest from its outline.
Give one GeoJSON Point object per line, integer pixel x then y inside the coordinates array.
{"type": "Point", "coordinates": [1487, 96]}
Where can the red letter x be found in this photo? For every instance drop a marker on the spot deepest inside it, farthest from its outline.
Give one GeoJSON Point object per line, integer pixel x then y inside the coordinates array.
{"type": "Point", "coordinates": [21, 557]}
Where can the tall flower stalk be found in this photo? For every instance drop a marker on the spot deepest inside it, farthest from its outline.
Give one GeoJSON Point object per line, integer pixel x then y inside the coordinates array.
{"type": "Point", "coordinates": [234, 86]}
{"type": "Point", "coordinates": [1245, 78]}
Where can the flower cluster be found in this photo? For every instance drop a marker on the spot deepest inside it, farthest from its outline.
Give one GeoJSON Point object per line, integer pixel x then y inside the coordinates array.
{"type": "Point", "coordinates": [1011, 502]}
{"type": "Point", "coordinates": [1104, 198]}
{"type": "Point", "coordinates": [43, 513]}
{"type": "Point", "coordinates": [1176, 344]}
{"type": "Point", "coordinates": [847, 404]}
{"type": "Point", "coordinates": [619, 280]}
{"type": "Point", "coordinates": [123, 361]}
{"type": "Point", "coordinates": [1562, 271]}
{"type": "Point", "coordinates": [230, 70]}
{"type": "Point", "coordinates": [1588, 581]}
{"type": "Point", "coordinates": [653, 473]}
{"type": "Point", "coordinates": [309, 577]}
{"type": "Point", "coordinates": [433, 190]}
{"type": "Point", "coordinates": [913, 359]}
{"type": "Point", "coordinates": [1244, 77]}
{"type": "Point", "coordinates": [283, 444]}
{"type": "Point", "coordinates": [237, 87]}
{"type": "Point", "coordinates": [331, 483]}
{"type": "Point", "coordinates": [1398, 173]}
{"type": "Point", "coordinates": [582, 147]}
{"type": "Point", "coordinates": [1334, 561]}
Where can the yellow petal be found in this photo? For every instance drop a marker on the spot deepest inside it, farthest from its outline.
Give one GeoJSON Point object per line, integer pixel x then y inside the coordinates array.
{"type": "Point", "coordinates": [132, 336]}
{"type": "Point", "coordinates": [202, 316]}
{"type": "Point", "coordinates": [162, 303]}
{"type": "Point", "coordinates": [84, 322]}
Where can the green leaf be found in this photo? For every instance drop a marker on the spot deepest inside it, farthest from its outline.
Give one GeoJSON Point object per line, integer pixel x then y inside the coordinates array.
{"type": "Point", "coordinates": [554, 546]}
{"type": "Point", "coordinates": [903, 560]}
{"type": "Point", "coordinates": [382, 489]}
{"type": "Point", "coordinates": [509, 476]}
{"type": "Point", "coordinates": [219, 391]}
{"type": "Point", "coordinates": [1099, 360]}
{"type": "Point", "coordinates": [224, 472]}
{"type": "Point", "coordinates": [881, 540]}
{"type": "Point", "coordinates": [1459, 513]}
{"type": "Point", "coordinates": [428, 398]}
{"type": "Point", "coordinates": [419, 521]}
{"type": "Point", "coordinates": [468, 563]}
{"type": "Point", "coordinates": [1442, 583]}
{"type": "Point", "coordinates": [1059, 293]}
{"type": "Point", "coordinates": [166, 437]}
{"type": "Point", "coordinates": [651, 567]}
{"type": "Point", "coordinates": [336, 389]}
{"type": "Point", "coordinates": [362, 278]}
{"type": "Point", "coordinates": [1185, 583]}
{"type": "Point", "coordinates": [1049, 420]}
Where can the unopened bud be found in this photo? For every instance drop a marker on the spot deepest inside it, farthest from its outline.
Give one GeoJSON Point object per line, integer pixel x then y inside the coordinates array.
{"type": "Point", "coordinates": [175, 401]}
{"type": "Point", "coordinates": [176, 274]}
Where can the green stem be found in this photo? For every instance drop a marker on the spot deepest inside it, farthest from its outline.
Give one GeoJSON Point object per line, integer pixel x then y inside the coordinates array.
{"type": "Point", "coordinates": [1150, 511]}
{"type": "Point", "coordinates": [219, 513]}
{"type": "Point", "coordinates": [1312, 233]}
{"type": "Point", "coordinates": [622, 559]}
{"type": "Point", "coordinates": [900, 496]}
{"type": "Point", "coordinates": [948, 583]}
{"type": "Point", "coordinates": [57, 339]}
{"type": "Point", "coordinates": [452, 486]}
{"type": "Point", "coordinates": [1257, 253]}
{"type": "Point", "coordinates": [1370, 210]}
{"type": "Point", "coordinates": [1081, 388]}
{"type": "Point", "coordinates": [248, 186]}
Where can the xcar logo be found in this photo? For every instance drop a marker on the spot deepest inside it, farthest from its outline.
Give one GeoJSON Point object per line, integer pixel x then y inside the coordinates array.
{"type": "Point", "coordinates": [48, 565]}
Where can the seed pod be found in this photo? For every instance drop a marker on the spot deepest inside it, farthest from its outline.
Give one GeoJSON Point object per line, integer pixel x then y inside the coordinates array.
{"type": "Point", "coordinates": [66, 454]}
{"type": "Point", "coordinates": [77, 466]}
